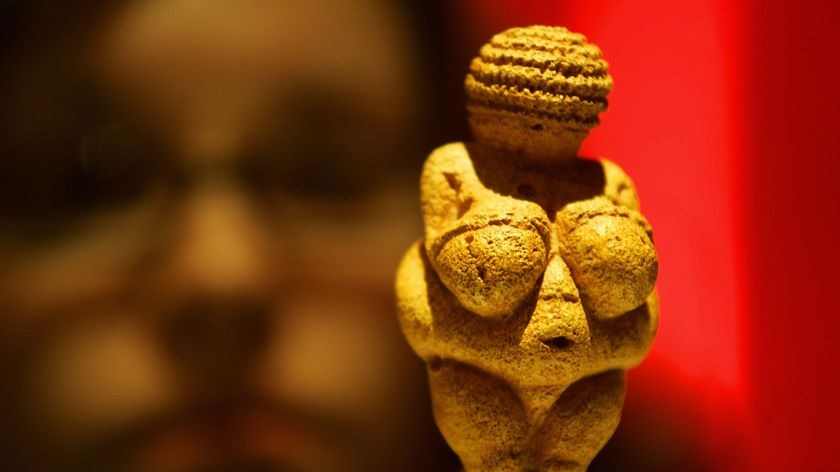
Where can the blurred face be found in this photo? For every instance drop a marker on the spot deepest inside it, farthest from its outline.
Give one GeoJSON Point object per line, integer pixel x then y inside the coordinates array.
{"type": "Point", "coordinates": [197, 266]}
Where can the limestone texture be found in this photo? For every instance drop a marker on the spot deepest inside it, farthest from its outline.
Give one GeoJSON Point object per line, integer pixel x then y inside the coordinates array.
{"type": "Point", "coordinates": [532, 290]}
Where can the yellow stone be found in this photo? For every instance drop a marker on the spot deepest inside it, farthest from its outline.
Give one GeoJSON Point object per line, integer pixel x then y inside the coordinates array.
{"type": "Point", "coordinates": [532, 290]}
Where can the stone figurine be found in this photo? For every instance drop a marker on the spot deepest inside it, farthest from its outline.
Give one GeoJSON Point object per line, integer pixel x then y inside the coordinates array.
{"type": "Point", "coordinates": [533, 289]}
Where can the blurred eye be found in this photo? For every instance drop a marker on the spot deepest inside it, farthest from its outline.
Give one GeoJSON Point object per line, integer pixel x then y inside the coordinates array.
{"type": "Point", "coordinates": [62, 177]}
{"type": "Point", "coordinates": [325, 148]}
{"type": "Point", "coordinates": [108, 151]}
{"type": "Point", "coordinates": [307, 168]}
{"type": "Point", "coordinates": [111, 168]}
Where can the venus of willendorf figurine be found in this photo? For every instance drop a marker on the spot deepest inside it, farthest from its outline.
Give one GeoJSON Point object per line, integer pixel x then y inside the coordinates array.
{"type": "Point", "coordinates": [533, 289]}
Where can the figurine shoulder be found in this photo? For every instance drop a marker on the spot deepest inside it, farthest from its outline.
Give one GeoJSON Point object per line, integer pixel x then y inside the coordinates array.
{"type": "Point", "coordinates": [618, 186]}
{"type": "Point", "coordinates": [448, 187]}
{"type": "Point", "coordinates": [452, 159]}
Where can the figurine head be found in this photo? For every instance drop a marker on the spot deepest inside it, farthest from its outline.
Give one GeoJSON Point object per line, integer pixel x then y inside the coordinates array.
{"type": "Point", "coordinates": [537, 91]}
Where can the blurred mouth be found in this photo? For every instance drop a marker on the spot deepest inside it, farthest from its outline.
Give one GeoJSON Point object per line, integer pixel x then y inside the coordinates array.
{"type": "Point", "coordinates": [231, 435]}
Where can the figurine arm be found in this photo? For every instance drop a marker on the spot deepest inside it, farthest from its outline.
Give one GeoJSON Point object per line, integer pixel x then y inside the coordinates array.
{"type": "Point", "coordinates": [618, 186]}
{"type": "Point", "coordinates": [448, 188]}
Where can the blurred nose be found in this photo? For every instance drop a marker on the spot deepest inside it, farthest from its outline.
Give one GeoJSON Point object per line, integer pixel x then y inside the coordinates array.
{"type": "Point", "coordinates": [559, 319]}
{"type": "Point", "coordinates": [218, 275]}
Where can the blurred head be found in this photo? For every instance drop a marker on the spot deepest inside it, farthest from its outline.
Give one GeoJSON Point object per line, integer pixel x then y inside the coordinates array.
{"type": "Point", "coordinates": [202, 211]}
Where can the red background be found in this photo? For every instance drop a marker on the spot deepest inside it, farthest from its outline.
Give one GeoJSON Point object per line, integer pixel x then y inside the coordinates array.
{"type": "Point", "coordinates": [724, 112]}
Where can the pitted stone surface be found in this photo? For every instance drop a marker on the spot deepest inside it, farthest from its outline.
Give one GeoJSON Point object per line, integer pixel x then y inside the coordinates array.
{"type": "Point", "coordinates": [541, 71]}
{"type": "Point", "coordinates": [538, 89]}
{"type": "Point", "coordinates": [532, 290]}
